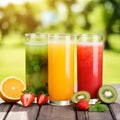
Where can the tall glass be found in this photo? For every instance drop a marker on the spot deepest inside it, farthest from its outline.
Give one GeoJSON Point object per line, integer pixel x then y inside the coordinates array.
{"type": "Point", "coordinates": [89, 62]}
{"type": "Point", "coordinates": [37, 62]}
{"type": "Point", "coordinates": [60, 69]}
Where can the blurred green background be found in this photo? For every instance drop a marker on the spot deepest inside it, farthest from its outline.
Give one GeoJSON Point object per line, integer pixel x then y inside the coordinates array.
{"type": "Point", "coordinates": [18, 17]}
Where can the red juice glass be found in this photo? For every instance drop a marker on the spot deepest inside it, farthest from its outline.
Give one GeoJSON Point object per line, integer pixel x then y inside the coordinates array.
{"type": "Point", "coordinates": [89, 63]}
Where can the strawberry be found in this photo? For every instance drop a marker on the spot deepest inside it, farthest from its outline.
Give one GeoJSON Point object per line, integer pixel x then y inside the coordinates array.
{"type": "Point", "coordinates": [27, 99]}
{"type": "Point", "coordinates": [83, 105]}
{"type": "Point", "coordinates": [42, 99]}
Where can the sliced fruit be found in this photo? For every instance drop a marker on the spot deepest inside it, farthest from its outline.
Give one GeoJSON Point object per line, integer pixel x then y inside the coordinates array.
{"type": "Point", "coordinates": [27, 99]}
{"type": "Point", "coordinates": [80, 95]}
{"type": "Point", "coordinates": [11, 89]}
{"type": "Point", "coordinates": [107, 94]}
{"type": "Point", "coordinates": [42, 99]}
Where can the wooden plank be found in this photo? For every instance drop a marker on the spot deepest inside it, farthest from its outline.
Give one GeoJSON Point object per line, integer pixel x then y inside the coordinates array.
{"type": "Point", "coordinates": [18, 112]}
{"type": "Point", "coordinates": [81, 115]}
{"type": "Point", "coordinates": [99, 116]}
{"type": "Point", "coordinates": [115, 110]}
{"type": "Point", "coordinates": [49, 112]}
{"type": "Point", "coordinates": [4, 109]}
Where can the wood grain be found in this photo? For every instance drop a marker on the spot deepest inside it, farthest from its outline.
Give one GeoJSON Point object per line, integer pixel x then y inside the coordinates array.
{"type": "Point", "coordinates": [4, 109]}
{"type": "Point", "coordinates": [100, 116]}
{"type": "Point", "coordinates": [115, 110]}
{"type": "Point", "coordinates": [19, 112]}
{"type": "Point", "coordinates": [49, 112]}
{"type": "Point", "coordinates": [81, 115]}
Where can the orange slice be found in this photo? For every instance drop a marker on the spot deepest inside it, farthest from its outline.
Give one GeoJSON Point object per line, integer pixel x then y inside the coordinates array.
{"type": "Point", "coordinates": [11, 89]}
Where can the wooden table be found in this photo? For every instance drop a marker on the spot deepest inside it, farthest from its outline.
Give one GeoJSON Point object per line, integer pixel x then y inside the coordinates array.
{"type": "Point", "coordinates": [48, 112]}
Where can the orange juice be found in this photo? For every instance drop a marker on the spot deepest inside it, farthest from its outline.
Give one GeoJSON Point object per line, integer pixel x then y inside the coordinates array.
{"type": "Point", "coordinates": [60, 70]}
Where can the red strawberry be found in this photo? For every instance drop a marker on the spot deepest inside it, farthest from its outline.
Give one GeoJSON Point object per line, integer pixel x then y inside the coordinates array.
{"type": "Point", "coordinates": [42, 99]}
{"type": "Point", "coordinates": [27, 99]}
{"type": "Point", "coordinates": [82, 105]}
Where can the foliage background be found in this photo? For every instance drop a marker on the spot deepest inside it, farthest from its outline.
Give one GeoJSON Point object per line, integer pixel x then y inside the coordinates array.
{"type": "Point", "coordinates": [58, 16]}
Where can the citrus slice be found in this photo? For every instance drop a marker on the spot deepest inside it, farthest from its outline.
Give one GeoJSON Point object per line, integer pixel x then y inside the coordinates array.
{"type": "Point", "coordinates": [11, 89]}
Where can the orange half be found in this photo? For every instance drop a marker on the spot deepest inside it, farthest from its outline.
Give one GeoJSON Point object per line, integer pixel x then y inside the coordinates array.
{"type": "Point", "coordinates": [11, 89]}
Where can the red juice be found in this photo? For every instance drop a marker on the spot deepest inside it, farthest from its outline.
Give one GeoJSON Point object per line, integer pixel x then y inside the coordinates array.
{"type": "Point", "coordinates": [89, 67]}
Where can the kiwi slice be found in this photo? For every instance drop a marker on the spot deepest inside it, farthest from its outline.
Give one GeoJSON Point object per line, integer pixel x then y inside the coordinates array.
{"type": "Point", "coordinates": [107, 94]}
{"type": "Point", "coordinates": [80, 95]}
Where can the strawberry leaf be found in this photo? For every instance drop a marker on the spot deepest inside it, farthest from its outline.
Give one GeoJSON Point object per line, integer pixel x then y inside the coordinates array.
{"type": "Point", "coordinates": [29, 90]}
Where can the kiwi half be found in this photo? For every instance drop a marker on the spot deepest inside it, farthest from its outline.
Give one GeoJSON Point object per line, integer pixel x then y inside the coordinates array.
{"type": "Point", "coordinates": [80, 95]}
{"type": "Point", "coordinates": [107, 94]}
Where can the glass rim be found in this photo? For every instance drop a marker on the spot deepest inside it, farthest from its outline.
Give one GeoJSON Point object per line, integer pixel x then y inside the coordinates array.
{"type": "Point", "coordinates": [63, 34]}
{"type": "Point", "coordinates": [56, 35]}
{"type": "Point", "coordinates": [35, 42]}
{"type": "Point", "coordinates": [89, 34]}
{"type": "Point", "coordinates": [35, 34]}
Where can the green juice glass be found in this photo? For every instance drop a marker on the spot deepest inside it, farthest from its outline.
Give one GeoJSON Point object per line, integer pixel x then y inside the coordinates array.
{"type": "Point", "coordinates": [36, 49]}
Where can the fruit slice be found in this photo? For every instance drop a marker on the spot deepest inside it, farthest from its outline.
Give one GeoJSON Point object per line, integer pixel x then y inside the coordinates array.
{"type": "Point", "coordinates": [80, 95]}
{"type": "Point", "coordinates": [107, 94]}
{"type": "Point", "coordinates": [42, 99]}
{"type": "Point", "coordinates": [11, 89]}
{"type": "Point", "coordinates": [27, 99]}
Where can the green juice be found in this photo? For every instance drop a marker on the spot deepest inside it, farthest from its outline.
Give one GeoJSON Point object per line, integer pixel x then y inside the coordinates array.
{"type": "Point", "coordinates": [37, 66]}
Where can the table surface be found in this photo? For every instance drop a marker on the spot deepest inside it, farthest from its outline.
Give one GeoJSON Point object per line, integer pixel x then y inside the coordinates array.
{"type": "Point", "coordinates": [47, 112]}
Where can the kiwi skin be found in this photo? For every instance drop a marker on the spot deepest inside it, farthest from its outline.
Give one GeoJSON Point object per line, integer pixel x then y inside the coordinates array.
{"type": "Point", "coordinates": [80, 95]}
{"type": "Point", "coordinates": [107, 94]}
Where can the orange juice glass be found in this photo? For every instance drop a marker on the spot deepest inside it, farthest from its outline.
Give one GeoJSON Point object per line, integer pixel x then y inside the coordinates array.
{"type": "Point", "coordinates": [60, 69]}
